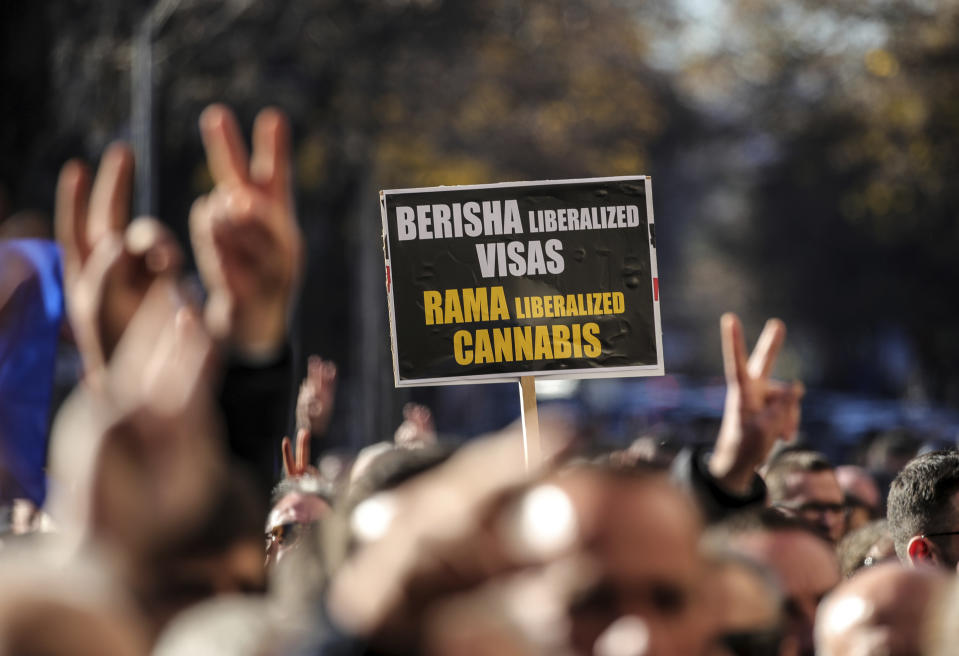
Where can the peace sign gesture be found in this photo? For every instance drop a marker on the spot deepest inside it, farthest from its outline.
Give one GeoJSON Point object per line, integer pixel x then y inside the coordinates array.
{"type": "Point", "coordinates": [314, 402]}
{"type": "Point", "coordinates": [294, 467]}
{"type": "Point", "coordinates": [758, 410]}
{"type": "Point", "coordinates": [417, 428]}
{"type": "Point", "coordinates": [109, 263]}
{"type": "Point", "coordinates": [245, 235]}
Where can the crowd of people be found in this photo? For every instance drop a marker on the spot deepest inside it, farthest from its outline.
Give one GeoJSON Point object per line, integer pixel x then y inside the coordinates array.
{"type": "Point", "coordinates": [168, 529]}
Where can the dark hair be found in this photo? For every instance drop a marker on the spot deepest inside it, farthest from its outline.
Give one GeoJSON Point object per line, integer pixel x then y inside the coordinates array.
{"type": "Point", "coordinates": [920, 496]}
{"type": "Point", "coordinates": [790, 462]}
{"type": "Point", "coordinates": [758, 520]}
{"type": "Point", "coordinates": [307, 485]}
{"type": "Point", "coordinates": [236, 514]}
{"type": "Point", "coordinates": [854, 547]}
{"type": "Point", "coordinates": [393, 468]}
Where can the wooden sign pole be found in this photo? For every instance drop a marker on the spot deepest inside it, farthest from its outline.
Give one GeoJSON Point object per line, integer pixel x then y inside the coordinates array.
{"type": "Point", "coordinates": [531, 443]}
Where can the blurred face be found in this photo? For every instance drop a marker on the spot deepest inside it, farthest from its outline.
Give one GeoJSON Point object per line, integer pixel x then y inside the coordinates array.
{"type": "Point", "coordinates": [862, 496]}
{"type": "Point", "coordinates": [746, 611]}
{"type": "Point", "coordinates": [169, 587]}
{"type": "Point", "coordinates": [26, 622]}
{"type": "Point", "coordinates": [880, 611]}
{"type": "Point", "coordinates": [817, 498]}
{"type": "Point", "coordinates": [807, 570]}
{"type": "Point", "coordinates": [286, 521]}
{"type": "Point", "coordinates": [651, 570]}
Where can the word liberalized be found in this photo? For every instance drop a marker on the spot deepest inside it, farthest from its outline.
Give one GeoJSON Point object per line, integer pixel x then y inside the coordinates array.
{"type": "Point", "coordinates": [519, 343]}
{"type": "Point", "coordinates": [490, 218]}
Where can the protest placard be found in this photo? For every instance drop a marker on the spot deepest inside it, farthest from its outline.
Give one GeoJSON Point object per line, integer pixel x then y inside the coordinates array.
{"type": "Point", "coordinates": [490, 283]}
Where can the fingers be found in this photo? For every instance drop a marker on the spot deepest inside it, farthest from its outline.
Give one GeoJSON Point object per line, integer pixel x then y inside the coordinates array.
{"type": "Point", "coordinates": [319, 371]}
{"type": "Point", "coordinates": [225, 150]}
{"type": "Point", "coordinates": [328, 372]}
{"type": "Point", "coordinates": [302, 450]}
{"type": "Point", "coordinates": [296, 466]}
{"type": "Point", "coordinates": [110, 199]}
{"type": "Point", "coordinates": [87, 302]}
{"type": "Point", "coordinates": [763, 358]}
{"type": "Point", "coordinates": [734, 350]}
{"type": "Point", "coordinates": [289, 464]}
{"type": "Point", "coordinates": [195, 345]}
{"type": "Point", "coordinates": [422, 417]}
{"type": "Point", "coordinates": [149, 355]}
{"type": "Point", "coordinates": [70, 214]}
{"type": "Point", "coordinates": [148, 238]}
{"type": "Point", "coordinates": [270, 165]}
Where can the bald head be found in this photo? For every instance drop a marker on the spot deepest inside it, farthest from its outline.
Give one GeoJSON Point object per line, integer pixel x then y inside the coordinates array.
{"type": "Point", "coordinates": [880, 610]}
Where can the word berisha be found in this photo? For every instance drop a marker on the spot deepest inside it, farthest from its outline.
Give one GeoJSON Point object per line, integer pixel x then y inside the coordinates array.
{"type": "Point", "coordinates": [494, 217]}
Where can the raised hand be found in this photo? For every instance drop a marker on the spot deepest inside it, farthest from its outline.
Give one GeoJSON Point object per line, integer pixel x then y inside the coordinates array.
{"type": "Point", "coordinates": [417, 428]}
{"type": "Point", "coordinates": [109, 263]}
{"type": "Point", "coordinates": [245, 236]}
{"type": "Point", "coordinates": [300, 464]}
{"type": "Point", "coordinates": [139, 455]}
{"type": "Point", "coordinates": [758, 410]}
{"type": "Point", "coordinates": [314, 403]}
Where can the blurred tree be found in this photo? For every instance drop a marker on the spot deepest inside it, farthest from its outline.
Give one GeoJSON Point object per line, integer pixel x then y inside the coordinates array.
{"type": "Point", "coordinates": [382, 93]}
{"type": "Point", "coordinates": [832, 132]}
{"type": "Point", "coordinates": [802, 150]}
{"type": "Point", "coordinates": [866, 210]}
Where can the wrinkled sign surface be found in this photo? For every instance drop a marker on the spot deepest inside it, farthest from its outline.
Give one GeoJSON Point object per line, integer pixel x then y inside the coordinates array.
{"type": "Point", "coordinates": [487, 283]}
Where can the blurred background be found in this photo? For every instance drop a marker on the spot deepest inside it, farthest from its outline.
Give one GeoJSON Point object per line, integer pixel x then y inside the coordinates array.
{"type": "Point", "coordinates": [804, 157]}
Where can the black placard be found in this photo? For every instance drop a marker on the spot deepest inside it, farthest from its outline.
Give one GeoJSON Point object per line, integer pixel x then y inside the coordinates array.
{"type": "Point", "coordinates": [487, 283]}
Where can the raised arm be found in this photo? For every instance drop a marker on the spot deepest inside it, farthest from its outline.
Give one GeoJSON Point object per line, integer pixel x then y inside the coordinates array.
{"type": "Point", "coordinates": [758, 410]}
{"type": "Point", "coordinates": [248, 250]}
{"type": "Point", "coordinates": [314, 403]}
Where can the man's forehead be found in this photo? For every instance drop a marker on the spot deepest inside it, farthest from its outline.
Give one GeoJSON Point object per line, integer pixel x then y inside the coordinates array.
{"type": "Point", "coordinates": [649, 522]}
{"type": "Point", "coordinates": [788, 550]}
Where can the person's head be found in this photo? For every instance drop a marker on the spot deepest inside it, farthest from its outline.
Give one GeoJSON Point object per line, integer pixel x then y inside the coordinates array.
{"type": "Point", "coordinates": [891, 450]}
{"type": "Point", "coordinates": [747, 606]}
{"type": "Point", "coordinates": [297, 503]}
{"type": "Point", "coordinates": [866, 546]}
{"type": "Point", "coordinates": [861, 494]}
{"type": "Point", "coordinates": [803, 484]}
{"type": "Point", "coordinates": [649, 566]}
{"type": "Point", "coordinates": [356, 521]}
{"type": "Point", "coordinates": [923, 510]}
{"type": "Point", "coordinates": [222, 554]}
{"type": "Point", "coordinates": [42, 625]}
{"type": "Point", "coordinates": [658, 445]}
{"type": "Point", "coordinates": [942, 623]}
{"type": "Point", "coordinates": [391, 468]}
{"type": "Point", "coordinates": [881, 610]}
{"type": "Point", "coordinates": [803, 562]}
{"type": "Point", "coordinates": [49, 609]}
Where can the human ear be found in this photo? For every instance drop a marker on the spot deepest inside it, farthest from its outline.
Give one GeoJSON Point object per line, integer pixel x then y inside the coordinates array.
{"type": "Point", "coordinates": [921, 551]}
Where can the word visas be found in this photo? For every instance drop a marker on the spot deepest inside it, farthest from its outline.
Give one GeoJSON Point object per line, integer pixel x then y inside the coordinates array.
{"type": "Point", "coordinates": [502, 217]}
